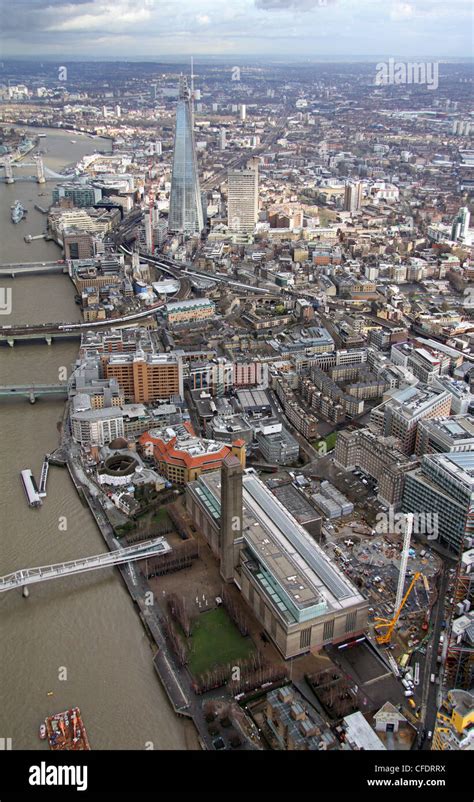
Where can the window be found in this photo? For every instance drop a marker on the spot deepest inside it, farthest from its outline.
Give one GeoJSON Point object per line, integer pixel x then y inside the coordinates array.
{"type": "Point", "coordinates": [351, 621]}
{"type": "Point", "coordinates": [328, 630]}
{"type": "Point", "coordinates": [305, 638]}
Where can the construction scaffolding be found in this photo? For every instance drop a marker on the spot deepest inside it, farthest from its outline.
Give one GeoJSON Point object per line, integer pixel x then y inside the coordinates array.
{"type": "Point", "coordinates": [459, 663]}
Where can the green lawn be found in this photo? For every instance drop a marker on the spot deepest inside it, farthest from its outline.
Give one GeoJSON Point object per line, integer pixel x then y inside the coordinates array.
{"type": "Point", "coordinates": [330, 441]}
{"type": "Point", "coordinates": [161, 516]}
{"type": "Point", "coordinates": [215, 640]}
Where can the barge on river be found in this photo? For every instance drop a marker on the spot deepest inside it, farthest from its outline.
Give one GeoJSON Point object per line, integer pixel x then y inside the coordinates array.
{"type": "Point", "coordinates": [66, 731]}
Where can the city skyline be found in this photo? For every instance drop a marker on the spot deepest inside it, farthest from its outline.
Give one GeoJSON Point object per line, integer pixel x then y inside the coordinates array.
{"type": "Point", "coordinates": [237, 300]}
{"type": "Point", "coordinates": [268, 28]}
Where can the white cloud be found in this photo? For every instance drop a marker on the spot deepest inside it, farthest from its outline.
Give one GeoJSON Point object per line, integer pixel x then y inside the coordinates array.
{"type": "Point", "coordinates": [261, 27]}
{"type": "Point", "coordinates": [117, 16]}
{"type": "Point", "coordinates": [401, 11]}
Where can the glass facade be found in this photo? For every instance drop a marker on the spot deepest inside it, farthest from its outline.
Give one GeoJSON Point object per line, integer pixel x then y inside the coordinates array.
{"type": "Point", "coordinates": [443, 485]}
{"type": "Point", "coordinates": [185, 215]}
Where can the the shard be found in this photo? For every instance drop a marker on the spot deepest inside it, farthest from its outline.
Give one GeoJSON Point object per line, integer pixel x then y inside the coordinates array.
{"type": "Point", "coordinates": [185, 214]}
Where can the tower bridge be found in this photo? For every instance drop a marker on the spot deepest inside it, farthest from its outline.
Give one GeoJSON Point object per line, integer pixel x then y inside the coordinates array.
{"type": "Point", "coordinates": [43, 173]}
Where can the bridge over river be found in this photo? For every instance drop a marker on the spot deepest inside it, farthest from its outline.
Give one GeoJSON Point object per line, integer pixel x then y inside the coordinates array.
{"type": "Point", "coordinates": [139, 551]}
{"type": "Point", "coordinates": [32, 391]}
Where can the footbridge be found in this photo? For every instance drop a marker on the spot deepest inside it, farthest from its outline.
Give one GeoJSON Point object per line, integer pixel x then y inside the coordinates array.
{"type": "Point", "coordinates": [140, 551]}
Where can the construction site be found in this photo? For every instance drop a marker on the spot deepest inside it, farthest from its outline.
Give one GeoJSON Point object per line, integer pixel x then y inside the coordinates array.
{"type": "Point", "coordinates": [390, 569]}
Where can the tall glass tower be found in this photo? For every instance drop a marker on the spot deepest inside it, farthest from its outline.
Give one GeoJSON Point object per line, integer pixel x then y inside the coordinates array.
{"type": "Point", "coordinates": [185, 215]}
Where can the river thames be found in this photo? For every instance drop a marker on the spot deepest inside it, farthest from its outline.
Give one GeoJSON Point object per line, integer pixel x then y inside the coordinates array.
{"type": "Point", "coordinates": [83, 627]}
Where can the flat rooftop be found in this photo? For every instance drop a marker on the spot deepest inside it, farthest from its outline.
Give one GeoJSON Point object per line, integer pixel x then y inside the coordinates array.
{"type": "Point", "coordinates": [361, 733]}
{"type": "Point", "coordinates": [459, 464]}
{"type": "Point", "coordinates": [252, 398]}
{"type": "Point", "coordinates": [295, 502]}
{"type": "Point", "coordinates": [412, 400]}
{"type": "Point", "coordinates": [457, 427]}
{"type": "Point", "coordinates": [293, 568]}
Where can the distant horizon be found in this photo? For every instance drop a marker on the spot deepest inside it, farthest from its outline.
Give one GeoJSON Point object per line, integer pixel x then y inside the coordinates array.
{"type": "Point", "coordinates": [274, 29]}
{"type": "Point", "coordinates": [250, 58]}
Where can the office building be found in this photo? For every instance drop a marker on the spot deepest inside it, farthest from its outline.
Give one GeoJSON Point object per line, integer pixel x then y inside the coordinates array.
{"type": "Point", "coordinates": [145, 378]}
{"type": "Point", "coordinates": [276, 445]}
{"type": "Point", "coordinates": [443, 485]}
{"type": "Point", "coordinates": [227, 428]}
{"type": "Point", "coordinates": [242, 198]}
{"type": "Point", "coordinates": [426, 364]}
{"type": "Point", "coordinates": [78, 245]}
{"type": "Point", "coordinates": [148, 232]}
{"type": "Point", "coordinates": [92, 220]}
{"type": "Point", "coordinates": [437, 435]}
{"type": "Point", "coordinates": [379, 457]}
{"type": "Point", "coordinates": [222, 139]}
{"type": "Point", "coordinates": [353, 197]}
{"type": "Point", "coordinates": [454, 728]}
{"type": "Point", "coordinates": [185, 213]}
{"type": "Point", "coordinates": [243, 112]}
{"type": "Point", "coordinates": [82, 195]}
{"type": "Point", "coordinates": [400, 414]}
{"type": "Point", "coordinates": [459, 661]}
{"type": "Point", "coordinates": [216, 376]}
{"type": "Point", "coordinates": [299, 597]}
{"type": "Point", "coordinates": [462, 399]}
{"type": "Point", "coordinates": [250, 374]}
{"type": "Point", "coordinates": [460, 225]}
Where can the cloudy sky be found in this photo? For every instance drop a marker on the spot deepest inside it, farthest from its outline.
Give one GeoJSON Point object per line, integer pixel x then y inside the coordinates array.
{"type": "Point", "coordinates": [274, 28]}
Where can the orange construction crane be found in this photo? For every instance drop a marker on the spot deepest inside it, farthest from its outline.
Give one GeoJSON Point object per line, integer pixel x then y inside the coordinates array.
{"type": "Point", "coordinates": [389, 624]}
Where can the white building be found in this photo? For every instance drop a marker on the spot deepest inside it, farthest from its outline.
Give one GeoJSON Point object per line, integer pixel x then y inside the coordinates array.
{"type": "Point", "coordinates": [242, 200]}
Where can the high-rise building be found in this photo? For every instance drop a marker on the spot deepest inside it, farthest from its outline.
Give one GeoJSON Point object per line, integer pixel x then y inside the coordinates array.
{"type": "Point", "coordinates": [460, 225]}
{"type": "Point", "coordinates": [148, 232]}
{"type": "Point", "coordinates": [185, 214]}
{"type": "Point", "coordinates": [243, 112]}
{"type": "Point", "coordinates": [459, 660]}
{"type": "Point", "coordinates": [222, 139]}
{"type": "Point", "coordinates": [145, 378]}
{"type": "Point", "coordinates": [353, 197]}
{"type": "Point", "coordinates": [443, 486]}
{"type": "Point", "coordinates": [242, 198]}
